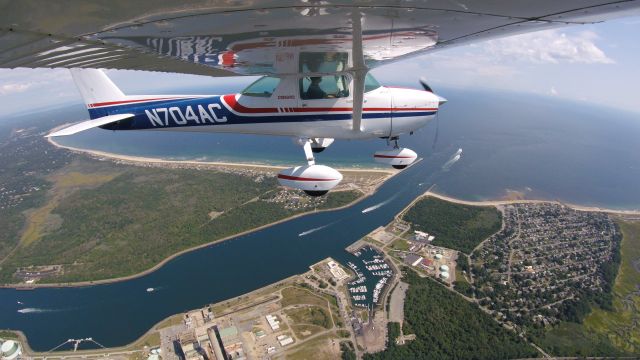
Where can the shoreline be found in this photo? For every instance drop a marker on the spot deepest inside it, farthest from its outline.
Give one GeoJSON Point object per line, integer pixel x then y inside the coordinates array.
{"type": "Point", "coordinates": [526, 201]}
{"type": "Point", "coordinates": [390, 173]}
{"type": "Point", "coordinates": [153, 160]}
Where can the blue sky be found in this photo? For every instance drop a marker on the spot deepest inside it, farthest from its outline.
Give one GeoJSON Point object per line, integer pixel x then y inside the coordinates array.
{"type": "Point", "coordinates": [595, 63]}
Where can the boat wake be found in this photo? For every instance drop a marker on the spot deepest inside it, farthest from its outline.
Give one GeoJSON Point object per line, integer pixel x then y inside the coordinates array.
{"type": "Point", "coordinates": [452, 160]}
{"type": "Point", "coordinates": [311, 231]}
{"type": "Point", "coordinates": [34, 310]}
{"type": "Point", "coordinates": [379, 205]}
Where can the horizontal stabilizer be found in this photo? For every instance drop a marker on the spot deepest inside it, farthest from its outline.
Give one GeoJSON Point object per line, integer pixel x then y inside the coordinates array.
{"type": "Point", "coordinates": [90, 124]}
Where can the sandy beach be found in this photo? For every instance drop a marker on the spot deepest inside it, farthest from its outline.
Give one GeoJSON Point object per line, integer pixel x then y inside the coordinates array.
{"type": "Point", "coordinates": [150, 160]}
{"type": "Point", "coordinates": [525, 201]}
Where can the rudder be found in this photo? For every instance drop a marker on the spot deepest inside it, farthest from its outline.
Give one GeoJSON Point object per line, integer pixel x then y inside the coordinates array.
{"type": "Point", "coordinates": [95, 86]}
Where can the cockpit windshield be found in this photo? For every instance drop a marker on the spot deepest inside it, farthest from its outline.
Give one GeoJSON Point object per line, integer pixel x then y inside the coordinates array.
{"type": "Point", "coordinates": [263, 87]}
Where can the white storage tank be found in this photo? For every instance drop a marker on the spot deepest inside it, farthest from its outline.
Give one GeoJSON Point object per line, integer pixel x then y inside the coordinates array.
{"type": "Point", "coordinates": [444, 268]}
{"type": "Point", "coordinates": [10, 350]}
{"type": "Point", "coordinates": [444, 275]}
{"type": "Point", "coordinates": [438, 256]}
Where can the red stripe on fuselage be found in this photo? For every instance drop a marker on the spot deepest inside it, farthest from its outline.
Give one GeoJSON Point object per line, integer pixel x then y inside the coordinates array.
{"type": "Point", "coordinates": [235, 106]}
{"type": "Point", "coordinates": [110, 103]}
{"type": "Point", "coordinates": [296, 178]}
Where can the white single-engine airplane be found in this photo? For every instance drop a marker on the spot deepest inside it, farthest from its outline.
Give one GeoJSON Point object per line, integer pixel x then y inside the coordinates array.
{"type": "Point", "coordinates": [314, 109]}
{"type": "Point", "coordinates": [314, 56]}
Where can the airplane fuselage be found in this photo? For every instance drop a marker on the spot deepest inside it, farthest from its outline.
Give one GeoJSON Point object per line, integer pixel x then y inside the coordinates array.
{"type": "Point", "coordinates": [387, 112]}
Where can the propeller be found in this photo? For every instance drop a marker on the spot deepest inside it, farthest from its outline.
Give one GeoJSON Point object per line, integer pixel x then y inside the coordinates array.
{"type": "Point", "coordinates": [424, 84]}
{"type": "Point", "coordinates": [426, 87]}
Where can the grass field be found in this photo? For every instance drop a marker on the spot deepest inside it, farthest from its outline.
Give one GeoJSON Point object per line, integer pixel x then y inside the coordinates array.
{"type": "Point", "coordinates": [310, 315]}
{"type": "Point", "coordinates": [400, 244]}
{"type": "Point", "coordinates": [571, 339]}
{"type": "Point", "coordinates": [300, 296]}
{"type": "Point", "coordinates": [41, 220]}
{"type": "Point", "coordinates": [621, 325]}
{"type": "Point", "coordinates": [6, 334]}
{"type": "Point", "coordinates": [305, 330]}
{"type": "Point", "coordinates": [455, 226]}
{"type": "Point", "coordinates": [316, 349]}
{"type": "Point", "coordinates": [103, 220]}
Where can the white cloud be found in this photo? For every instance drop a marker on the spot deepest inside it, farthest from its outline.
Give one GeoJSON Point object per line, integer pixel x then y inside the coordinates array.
{"type": "Point", "coordinates": [19, 87]}
{"type": "Point", "coordinates": [553, 91]}
{"type": "Point", "coordinates": [549, 46]}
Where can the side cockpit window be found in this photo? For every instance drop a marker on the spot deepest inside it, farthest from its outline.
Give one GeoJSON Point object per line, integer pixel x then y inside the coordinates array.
{"type": "Point", "coordinates": [263, 87]}
{"type": "Point", "coordinates": [324, 87]}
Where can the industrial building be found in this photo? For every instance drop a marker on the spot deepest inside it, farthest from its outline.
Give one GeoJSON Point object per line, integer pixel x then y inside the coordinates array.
{"type": "Point", "coordinates": [413, 259]}
{"type": "Point", "coordinates": [423, 237]}
{"type": "Point", "coordinates": [190, 346]}
{"type": "Point", "coordinates": [285, 340]}
{"type": "Point", "coordinates": [337, 271]}
{"type": "Point", "coordinates": [273, 321]}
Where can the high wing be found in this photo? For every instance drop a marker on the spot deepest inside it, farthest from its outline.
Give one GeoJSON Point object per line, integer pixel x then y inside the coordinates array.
{"type": "Point", "coordinates": [227, 38]}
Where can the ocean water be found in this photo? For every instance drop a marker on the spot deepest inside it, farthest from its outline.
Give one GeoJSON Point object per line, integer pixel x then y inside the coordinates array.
{"type": "Point", "coordinates": [544, 147]}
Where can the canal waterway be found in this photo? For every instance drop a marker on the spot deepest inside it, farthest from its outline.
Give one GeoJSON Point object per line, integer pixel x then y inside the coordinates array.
{"type": "Point", "coordinates": [552, 150]}
{"type": "Point", "coordinates": [118, 313]}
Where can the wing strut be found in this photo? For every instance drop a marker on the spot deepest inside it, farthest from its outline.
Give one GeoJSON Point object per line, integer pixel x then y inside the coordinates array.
{"type": "Point", "coordinates": [358, 71]}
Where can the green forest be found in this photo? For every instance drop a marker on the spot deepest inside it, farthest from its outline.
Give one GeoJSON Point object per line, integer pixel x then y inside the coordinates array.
{"type": "Point", "coordinates": [144, 215]}
{"type": "Point", "coordinates": [455, 226]}
{"type": "Point", "coordinates": [448, 327]}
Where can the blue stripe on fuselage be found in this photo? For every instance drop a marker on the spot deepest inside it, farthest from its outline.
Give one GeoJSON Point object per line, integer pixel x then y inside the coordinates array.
{"type": "Point", "coordinates": [179, 118]}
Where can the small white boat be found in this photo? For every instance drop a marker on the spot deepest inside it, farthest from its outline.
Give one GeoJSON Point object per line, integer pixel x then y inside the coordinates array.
{"type": "Point", "coordinates": [150, 289]}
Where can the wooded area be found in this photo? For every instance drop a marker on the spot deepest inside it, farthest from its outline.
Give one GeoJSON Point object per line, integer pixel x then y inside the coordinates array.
{"type": "Point", "coordinates": [455, 226]}
{"type": "Point", "coordinates": [448, 327]}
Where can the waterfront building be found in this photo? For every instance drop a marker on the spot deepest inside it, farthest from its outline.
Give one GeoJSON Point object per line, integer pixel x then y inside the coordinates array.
{"type": "Point", "coordinates": [10, 350]}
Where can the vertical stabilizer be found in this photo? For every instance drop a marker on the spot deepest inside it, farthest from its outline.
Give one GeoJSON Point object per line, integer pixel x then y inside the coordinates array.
{"type": "Point", "coordinates": [95, 86]}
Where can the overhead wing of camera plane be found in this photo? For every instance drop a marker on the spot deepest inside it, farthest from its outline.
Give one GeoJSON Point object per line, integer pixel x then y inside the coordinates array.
{"type": "Point", "coordinates": [314, 57]}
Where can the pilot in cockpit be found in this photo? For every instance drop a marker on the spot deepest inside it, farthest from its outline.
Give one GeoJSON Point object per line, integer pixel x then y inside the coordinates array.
{"type": "Point", "coordinates": [314, 91]}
